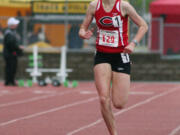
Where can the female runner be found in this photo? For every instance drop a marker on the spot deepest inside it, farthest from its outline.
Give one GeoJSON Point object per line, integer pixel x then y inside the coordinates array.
{"type": "Point", "coordinates": [112, 63]}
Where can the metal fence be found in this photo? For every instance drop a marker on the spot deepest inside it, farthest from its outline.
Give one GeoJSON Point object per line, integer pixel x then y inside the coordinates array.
{"type": "Point", "coordinates": [49, 31]}
{"type": "Point", "coordinates": [56, 31]}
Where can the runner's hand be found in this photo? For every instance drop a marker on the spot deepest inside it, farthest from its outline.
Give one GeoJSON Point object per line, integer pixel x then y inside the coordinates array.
{"type": "Point", "coordinates": [129, 48]}
{"type": "Point", "coordinates": [86, 34]}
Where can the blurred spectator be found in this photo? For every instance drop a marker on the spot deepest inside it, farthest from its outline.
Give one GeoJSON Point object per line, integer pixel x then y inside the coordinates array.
{"type": "Point", "coordinates": [37, 35]}
{"type": "Point", "coordinates": [41, 35]}
{"type": "Point", "coordinates": [11, 51]}
{"type": "Point", "coordinates": [33, 37]}
{"type": "Point", "coordinates": [1, 34]}
{"type": "Point", "coordinates": [74, 40]}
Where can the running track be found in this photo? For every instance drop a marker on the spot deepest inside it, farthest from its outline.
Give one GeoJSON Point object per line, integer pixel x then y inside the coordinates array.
{"type": "Point", "coordinates": [152, 109]}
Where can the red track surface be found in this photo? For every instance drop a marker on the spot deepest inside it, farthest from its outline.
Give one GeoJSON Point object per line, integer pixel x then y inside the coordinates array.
{"type": "Point", "coordinates": [153, 109]}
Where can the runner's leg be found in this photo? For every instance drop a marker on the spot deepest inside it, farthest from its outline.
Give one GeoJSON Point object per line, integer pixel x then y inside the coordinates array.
{"type": "Point", "coordinates": [120, 89]}
{"type": "Point", "coordinates": [103, 75]}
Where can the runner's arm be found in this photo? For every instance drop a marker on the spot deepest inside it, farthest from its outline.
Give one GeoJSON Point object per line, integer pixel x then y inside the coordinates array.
{"type": "Point", "coordinates": [128, 10]}
{"type": "Point", "coordinates": [84, 32]}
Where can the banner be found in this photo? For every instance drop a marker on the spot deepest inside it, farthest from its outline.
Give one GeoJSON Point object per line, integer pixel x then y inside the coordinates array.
{"type": "Point", "coordinates": [59, 7]}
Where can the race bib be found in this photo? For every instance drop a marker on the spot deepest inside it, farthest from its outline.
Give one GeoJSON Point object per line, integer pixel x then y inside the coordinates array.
{"type": "Point", "coordinates": [117, 21]}
{"type": "Point", "coordinates": [108, 38]}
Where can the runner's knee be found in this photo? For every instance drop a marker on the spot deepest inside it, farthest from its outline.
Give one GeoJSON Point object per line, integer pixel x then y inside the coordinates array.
{"type": "Point", "coordinates": [119, 104]}
{"type": "Point", "coordinates": [104, 100]}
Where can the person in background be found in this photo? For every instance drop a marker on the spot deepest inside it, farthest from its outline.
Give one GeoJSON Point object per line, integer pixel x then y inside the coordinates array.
{"type": "Point", "coordinates": [11, 51]}
{"type": "Point", "coordinates": [75, 42]}
{"type": "Point", "coordinates": [1, 34]}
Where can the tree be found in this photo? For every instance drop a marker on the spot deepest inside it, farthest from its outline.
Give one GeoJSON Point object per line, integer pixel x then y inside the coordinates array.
{"type": "Point", "coordinates": [141, 5]}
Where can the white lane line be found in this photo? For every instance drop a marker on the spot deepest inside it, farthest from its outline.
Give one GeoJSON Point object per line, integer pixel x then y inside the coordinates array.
{"type": "Point", "coordinates": [124, 110]}
{"type": "Point", "coordinates": [35, 99]}
{"type": "Point", "coordinates": [47, 96]}
{"type": "Point", "coordinates": [84, 92]}
{"type": "Point", "coordinates": [4, 91]}
{"type": "Point", "coordinates": [87, 92]}
{"type": "Point", "coordinates": [141, 93]}
{"type": "Point", "coordinates": [44, 92]}
{"type": "Point", "coordinates": [175, 131]}
{"type": "Point", "coordinates": [39, 98]}
{"type": "Point", "coordinates": [48, 111]}
{"type": "Point", "coordinates": [11, 93]}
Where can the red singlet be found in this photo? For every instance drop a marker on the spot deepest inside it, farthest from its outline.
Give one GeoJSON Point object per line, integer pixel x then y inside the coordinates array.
{"type": "Point", "coordinates": [112, 31]}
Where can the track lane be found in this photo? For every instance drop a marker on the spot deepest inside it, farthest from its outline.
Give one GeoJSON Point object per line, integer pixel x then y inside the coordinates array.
{"type": "Point", "coordinates": [133, 120]}
{"type": "Point", "coordinates": [72, 117]}
{"type": "Point", "coordinates": [63, 112]}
